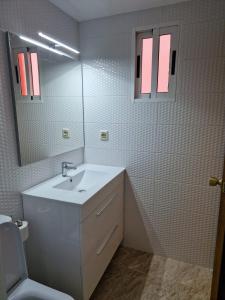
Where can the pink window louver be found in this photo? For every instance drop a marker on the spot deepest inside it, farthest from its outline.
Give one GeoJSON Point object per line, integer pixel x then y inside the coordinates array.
{"type": "Point", "coordinates": [22, 74]}
{"type": "Point", "coordinates": [164, 63]}
{"type": "Point", "coordinates": [34, 74]}
{"type": "Point", "coordinates": [146, 67]}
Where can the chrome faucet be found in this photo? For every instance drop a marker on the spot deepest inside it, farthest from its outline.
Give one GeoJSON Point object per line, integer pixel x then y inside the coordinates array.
{"type": "Point", "coordinates": [67, 166]}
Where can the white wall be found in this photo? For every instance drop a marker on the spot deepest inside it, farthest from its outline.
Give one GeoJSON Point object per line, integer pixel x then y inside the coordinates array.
{"type": "Point", "coordinates": [27, 17]}
{"type": "Point", "coordinates": [169, 149]}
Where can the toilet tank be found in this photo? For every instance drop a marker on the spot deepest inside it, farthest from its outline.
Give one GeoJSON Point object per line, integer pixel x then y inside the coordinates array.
{"type": "Point", "coordinates": [13, 264]}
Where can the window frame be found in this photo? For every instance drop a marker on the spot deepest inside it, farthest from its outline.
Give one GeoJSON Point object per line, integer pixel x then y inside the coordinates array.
{"type": "Point", "coordinates": [156, 31]}
{"type": "Point", "coordinates": [139, 44]}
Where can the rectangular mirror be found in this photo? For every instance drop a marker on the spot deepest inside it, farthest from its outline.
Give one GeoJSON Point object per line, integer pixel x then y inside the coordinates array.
{"type": "Point", "coordinates": [47, 99]}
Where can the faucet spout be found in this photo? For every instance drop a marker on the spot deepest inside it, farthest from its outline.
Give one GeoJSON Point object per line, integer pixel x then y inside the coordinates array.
{"type": "Point", "coordinates": [67, 166]}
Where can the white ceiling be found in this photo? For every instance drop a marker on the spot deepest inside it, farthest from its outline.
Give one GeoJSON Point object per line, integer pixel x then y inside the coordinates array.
{"type": "Point", "coordinates": [82, 10]}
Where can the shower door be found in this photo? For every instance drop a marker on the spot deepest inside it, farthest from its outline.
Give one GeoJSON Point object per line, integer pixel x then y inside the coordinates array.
{"type": "Point", "coordinates": [218, 282]}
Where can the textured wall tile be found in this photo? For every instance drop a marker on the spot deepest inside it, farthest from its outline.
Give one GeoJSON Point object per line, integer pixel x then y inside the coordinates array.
{"type": "Point", "coordinates": [14, 178]}
{"type": "Point", "coordinates": [38, 143]}
{"type": "Point", "coordinates": [41, 169]}
{"type": "Point", "coordinates": [178, 235]}
{"type": "Point", "coordinates": [61, 80]}
{"type": "Point", "coordinates": [189, 139]}
{"type": "Point", "coordinates": [148, 17]}
{"type": "Point", "coordinates": [111, 82]}
{"type": "Point", "coordinates": [11, 204]}
{"type": "Point", "coordinates": [110, 109]}
{"type": "Point", "coordinates": [109, 26]}
{"type": "Point", "coordinates": [168, 170]}
{"type": "Point", "coordinates": [135, 137]}
{"type": "Point", "coordinates": [52, 110]}
{"type": "Point", "coordinates": [200, 109]}
{"type": "Point", "coordinates": [133, 220]}
{"type": "Point", "coordinates": [206, 40]}
{"type": "Point", "coordinates": [106, 65]}
{"type": "Point", "coordinates": [29, 17]}
{"type": "Point", "coordinates": [97, 52]}
{"type": "Point", "coordinates": [187, 168]}
{"type": "Point", "coordinates": [193, 11]}
{"type": "Point", "coordinates": [141, 164]}
{"type": "Point", "coordinates": [191, 198]}
{"type": "Point", "coordinates": [105, 156]}
{"type": "Point", "coordinates": [202, 75]}
{"type": "Point", "coordinates": [144, 191]}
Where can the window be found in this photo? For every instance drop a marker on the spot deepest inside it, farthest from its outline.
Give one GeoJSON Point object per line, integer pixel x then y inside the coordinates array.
{"type": "Point", "coordinates": [155, 63]}
{"type": "Point", "coordinates": [27, 75]}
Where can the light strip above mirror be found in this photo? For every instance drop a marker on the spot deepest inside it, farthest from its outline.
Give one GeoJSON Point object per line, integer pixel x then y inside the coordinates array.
{"type": "Point", "coordinates": [58, 43]}
{"type": "Point", "coordinates": [29, 40]}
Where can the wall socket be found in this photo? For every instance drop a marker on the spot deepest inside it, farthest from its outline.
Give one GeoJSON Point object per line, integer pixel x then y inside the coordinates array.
{"type": "Point", "coordinates": [66, 133]}
{"type": "Point", "coordinates": [104, 135]}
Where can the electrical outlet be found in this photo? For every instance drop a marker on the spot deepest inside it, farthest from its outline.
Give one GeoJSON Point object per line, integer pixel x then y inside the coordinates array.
{"type": "Point", "coordinates": [66, 133]}
{"type": "Point", "coordinates": [104, 135]}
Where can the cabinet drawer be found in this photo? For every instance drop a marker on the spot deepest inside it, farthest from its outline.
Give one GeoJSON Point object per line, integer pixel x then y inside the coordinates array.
{"type": "Point", "coordinates": [96, 226]}
{"type": "Point", "coordinates": [99, 197]}
{"type": "Point", "coordinates": [101, 257]}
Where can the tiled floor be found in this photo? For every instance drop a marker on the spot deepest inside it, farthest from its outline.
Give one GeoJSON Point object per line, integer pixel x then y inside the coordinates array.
{"type": "Point", "coordinates": [135, 275]}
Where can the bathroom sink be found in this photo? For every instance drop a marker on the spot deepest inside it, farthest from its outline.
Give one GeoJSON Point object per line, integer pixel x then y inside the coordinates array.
{"type": "Point", "coordinates": [4, 219]}
{"type": "Point", "coordinates": [80, 185]}
{"type": "Point", "coordinates": [82, 181]}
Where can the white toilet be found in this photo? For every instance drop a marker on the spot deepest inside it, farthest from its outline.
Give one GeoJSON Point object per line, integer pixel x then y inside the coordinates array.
{"type": "Point", "coordinates": [13, 267]}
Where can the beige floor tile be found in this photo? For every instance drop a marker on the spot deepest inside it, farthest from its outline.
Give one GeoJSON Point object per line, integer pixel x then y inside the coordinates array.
{"type": "Point", "coordinates": [136, 275]}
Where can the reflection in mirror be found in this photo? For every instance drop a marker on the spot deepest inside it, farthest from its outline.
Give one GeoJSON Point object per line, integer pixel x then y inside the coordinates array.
{"type": "Point", "coordinates": [47, 98]}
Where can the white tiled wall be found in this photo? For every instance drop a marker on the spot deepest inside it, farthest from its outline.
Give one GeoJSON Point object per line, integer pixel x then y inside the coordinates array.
{"type": "Point", "coordinates": [27, 17]}
{"type": "Point", "coordinates": [169, 149]}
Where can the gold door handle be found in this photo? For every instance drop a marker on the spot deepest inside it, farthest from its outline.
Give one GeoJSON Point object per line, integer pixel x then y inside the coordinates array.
{"type": "Point", "coordinates": [213, 181]}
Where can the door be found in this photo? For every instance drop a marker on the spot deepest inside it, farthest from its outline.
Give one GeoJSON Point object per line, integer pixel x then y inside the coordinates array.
{"type": "Point", "coordinates": [218, 281]}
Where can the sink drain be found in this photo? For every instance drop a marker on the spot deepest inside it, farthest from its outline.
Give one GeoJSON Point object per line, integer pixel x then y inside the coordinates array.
{"type": "Point", "coordinates": [81, 191]}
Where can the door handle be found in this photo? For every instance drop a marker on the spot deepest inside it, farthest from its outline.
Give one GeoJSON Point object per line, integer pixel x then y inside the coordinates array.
{"type": "Point", "coordinates": [214, 181]}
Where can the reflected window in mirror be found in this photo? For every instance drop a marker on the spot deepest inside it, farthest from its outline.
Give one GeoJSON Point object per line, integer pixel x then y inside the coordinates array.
{"type": "Point", "coordinates": [34, 73]}
{"type": "Point", "coordinates": [22, 77]}
{"type": "Point", "coordinates": [27, 75]}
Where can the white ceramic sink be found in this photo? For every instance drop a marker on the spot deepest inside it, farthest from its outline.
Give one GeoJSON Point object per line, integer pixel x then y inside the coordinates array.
{"type": "Point", "coordinates": [80, 186]}
{"type": "Point", "coordinates": [4, 219]}
{"type": "Point", "coordinates": [82, 181]}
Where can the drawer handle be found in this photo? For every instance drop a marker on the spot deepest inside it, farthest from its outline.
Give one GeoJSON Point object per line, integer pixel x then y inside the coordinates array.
{"type": "Point", "coordinates": [105, 206]}
{"type": "Point", "coordinates": [105, 242]}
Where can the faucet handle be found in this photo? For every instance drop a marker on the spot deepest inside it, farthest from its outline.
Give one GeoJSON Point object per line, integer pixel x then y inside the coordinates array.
{"type": "Point", "coordinates": [66, 163]}
{"type": "Point", "coordinates": [65, 168]}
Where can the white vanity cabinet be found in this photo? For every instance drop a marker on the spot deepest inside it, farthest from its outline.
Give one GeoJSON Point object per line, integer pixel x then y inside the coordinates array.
{"type": "Point", "coordinates": [101, 234]}
{"type": "Point", "coordinates": [71, 245]}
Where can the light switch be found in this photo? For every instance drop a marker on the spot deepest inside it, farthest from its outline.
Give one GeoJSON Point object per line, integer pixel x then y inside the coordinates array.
{"type": "Point", "coordinates": [66, 133]}
{"type": "Point", "coordinates": [104, 135]}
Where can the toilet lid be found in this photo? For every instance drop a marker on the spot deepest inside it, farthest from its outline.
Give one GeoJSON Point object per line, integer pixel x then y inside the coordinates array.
{"type": "Point", "coordinates": [32, 290]}
{"type": "Point", "coordinates": [13, 264]}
